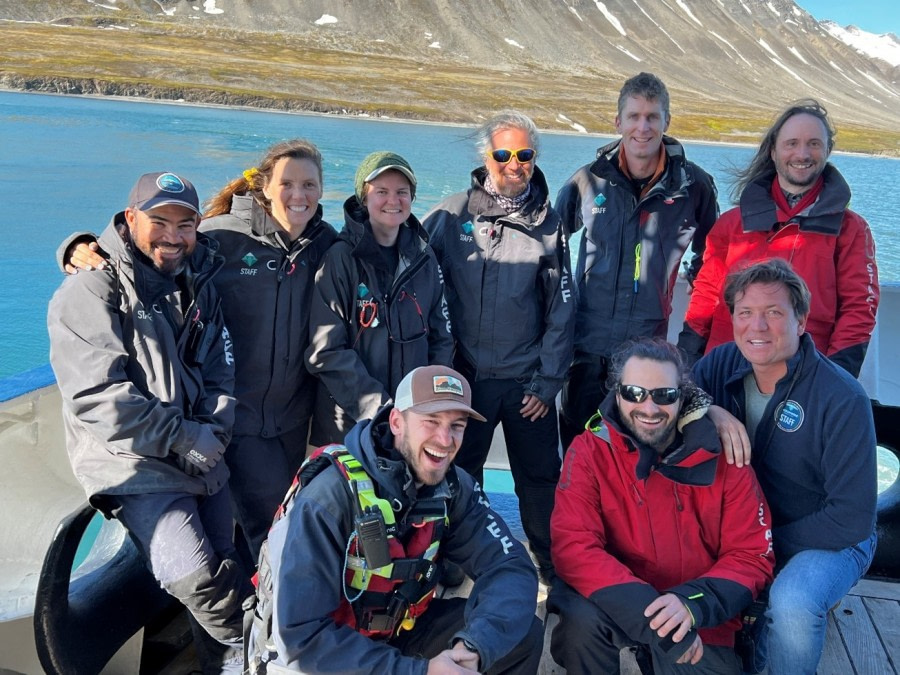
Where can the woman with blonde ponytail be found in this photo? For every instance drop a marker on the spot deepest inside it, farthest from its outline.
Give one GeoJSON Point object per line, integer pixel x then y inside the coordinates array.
{"type": "Point", "coordinates": [268, 223]}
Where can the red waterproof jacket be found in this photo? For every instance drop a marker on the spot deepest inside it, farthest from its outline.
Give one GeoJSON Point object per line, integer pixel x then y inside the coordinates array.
{"type": "Point", "coordinates": [828, 245]}
{"type": "Point", "coordinates": [628, 527]}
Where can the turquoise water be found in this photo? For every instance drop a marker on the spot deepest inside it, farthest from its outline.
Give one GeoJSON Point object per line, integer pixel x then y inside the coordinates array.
{"type": "Point", "coordinates": [69, 163]}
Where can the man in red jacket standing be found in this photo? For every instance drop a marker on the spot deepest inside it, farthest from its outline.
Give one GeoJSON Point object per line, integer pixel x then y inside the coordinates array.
{"type": "Point", "coordinates": [792, 204]}
{"type": "Point", "coordinates": [660, 542]}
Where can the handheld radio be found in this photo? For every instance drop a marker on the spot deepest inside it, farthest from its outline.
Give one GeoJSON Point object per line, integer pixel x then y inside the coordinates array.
{"type": "Point", "coordinates": [371, 533]}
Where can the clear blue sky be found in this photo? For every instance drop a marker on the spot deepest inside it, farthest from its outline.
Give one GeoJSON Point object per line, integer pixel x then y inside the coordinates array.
{"type": "Point", "coordinates": [875, 16]}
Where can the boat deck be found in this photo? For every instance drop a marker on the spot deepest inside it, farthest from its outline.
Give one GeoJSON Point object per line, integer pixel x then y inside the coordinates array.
{"type": "Point", "coordinates": [863, 633]}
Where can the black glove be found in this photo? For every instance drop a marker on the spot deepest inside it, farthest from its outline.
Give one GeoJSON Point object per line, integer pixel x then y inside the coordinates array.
{"type": "Point", "coordinates": [205, 453]}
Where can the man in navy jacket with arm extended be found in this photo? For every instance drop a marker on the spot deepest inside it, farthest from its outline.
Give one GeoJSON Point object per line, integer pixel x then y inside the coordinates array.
{"type": "Point", "coordinates": [812, 435]}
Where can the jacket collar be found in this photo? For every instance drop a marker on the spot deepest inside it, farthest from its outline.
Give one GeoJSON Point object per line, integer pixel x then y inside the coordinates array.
{"type": "Point", "coordinates": [411, 241]}
{"type": "Point", "coordinates": [203, 263]}
{"type": "Point", "coordinates": [824, 216]}
{"type": "Point", "coordinates": [674, 181]}
{"type": "Point", "coordinates": [262, 224]}
{"type": "Point", "coordinates": [372, 443]}
{"type": "Point", "coordinates": [800, 363]}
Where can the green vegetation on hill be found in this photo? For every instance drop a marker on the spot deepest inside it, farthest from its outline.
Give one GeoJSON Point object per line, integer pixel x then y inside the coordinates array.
{"type": "Point", "coordinates": [287, 72]}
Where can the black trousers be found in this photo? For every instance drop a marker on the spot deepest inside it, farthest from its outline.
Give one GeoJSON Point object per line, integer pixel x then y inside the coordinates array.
{"type": "Point", "coordinates": [262, 470]}
{"type": "Point", "coordinates": [533, 450]}
{"type": "Point", "coordinates": [584, 390]}
{"type": "Point", "coordinates": [586, 642]}
{"type": "Point", "coordinates": [444, 618]}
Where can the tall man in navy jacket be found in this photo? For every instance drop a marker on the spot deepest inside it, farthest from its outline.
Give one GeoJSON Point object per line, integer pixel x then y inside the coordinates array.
{"type": "Point", "coordinates": [813, 448]}
{"type": "Point", "coordinates": [641, 203]}
{"type": "Point", "coordinates": [502, 249]}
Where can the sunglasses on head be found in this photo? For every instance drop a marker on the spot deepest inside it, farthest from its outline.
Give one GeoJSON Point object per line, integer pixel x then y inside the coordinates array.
{"type": "Point", "coordinates": [662, 396]}
{"type": "Point", "coordinates": [503, 155]}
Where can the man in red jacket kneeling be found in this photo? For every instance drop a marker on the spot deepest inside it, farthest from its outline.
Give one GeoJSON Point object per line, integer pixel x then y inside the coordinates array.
{"type": "Point", "coordinates": [658, 540]}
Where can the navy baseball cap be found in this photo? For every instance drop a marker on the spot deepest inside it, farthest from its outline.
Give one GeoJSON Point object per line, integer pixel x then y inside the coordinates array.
{"type": "Point", "coordinates": [161, 188]}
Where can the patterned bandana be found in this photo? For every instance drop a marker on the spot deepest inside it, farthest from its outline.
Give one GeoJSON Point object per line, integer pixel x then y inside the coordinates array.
{"type": "Point", "coordinates": [508, 204]}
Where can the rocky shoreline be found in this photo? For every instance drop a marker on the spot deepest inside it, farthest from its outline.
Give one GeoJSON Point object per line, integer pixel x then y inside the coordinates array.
{"type": "Point", "coordinates": [215, 97]}
{"type": "Point", "coordinates": [199, 95]}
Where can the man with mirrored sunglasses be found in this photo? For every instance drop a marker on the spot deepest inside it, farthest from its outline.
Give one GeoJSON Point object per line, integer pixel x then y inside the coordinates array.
{"type": "Point", "coordinates": [641, 203]}
{"type": "Point", "coordinates": [658, 542]}
{"type": "Point", "coordinates": [506, 278]}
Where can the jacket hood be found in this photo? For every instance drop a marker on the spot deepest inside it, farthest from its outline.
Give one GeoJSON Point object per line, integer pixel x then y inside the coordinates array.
{"type": "Point", "coordinates": [825, 215]}
{"type": "Point", "coordinates": [690, 460]}
{"type": "Point", "coordinates": [533, 211]}
{"type": "Point", "coordinates": [372, 443]}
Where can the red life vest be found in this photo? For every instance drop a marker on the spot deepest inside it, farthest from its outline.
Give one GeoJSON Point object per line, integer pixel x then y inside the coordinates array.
{"type": "Point", "coordinates": [381, 602]}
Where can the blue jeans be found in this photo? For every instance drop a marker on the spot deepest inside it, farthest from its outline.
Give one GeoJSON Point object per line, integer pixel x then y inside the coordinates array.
{"type": "Point", "coordinates": [809, 585]}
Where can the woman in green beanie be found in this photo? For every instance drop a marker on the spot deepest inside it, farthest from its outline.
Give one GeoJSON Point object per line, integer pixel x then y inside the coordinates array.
{"type": "Point", "coordinates": [378, 307]}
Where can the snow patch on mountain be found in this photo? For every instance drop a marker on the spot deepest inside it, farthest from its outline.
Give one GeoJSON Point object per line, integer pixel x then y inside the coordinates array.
{"type": "Point", "coordinates": [885, 47]}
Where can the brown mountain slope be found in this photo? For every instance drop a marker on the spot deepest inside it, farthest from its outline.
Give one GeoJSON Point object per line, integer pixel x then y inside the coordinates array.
{"type": "Point", "coordinates": [728, 63]}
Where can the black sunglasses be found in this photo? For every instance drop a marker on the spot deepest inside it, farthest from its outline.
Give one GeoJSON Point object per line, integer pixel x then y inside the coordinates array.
{"type": "Point", "coordinates": [662, 396]}
{"type": "Point", "coordinates": [523, 155]}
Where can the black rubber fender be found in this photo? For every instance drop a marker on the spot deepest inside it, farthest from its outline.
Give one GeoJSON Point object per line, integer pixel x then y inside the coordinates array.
{"type": "Point", "coordinates": [886, 564]}
{"type": "Point", "coordinates": [79, 625]}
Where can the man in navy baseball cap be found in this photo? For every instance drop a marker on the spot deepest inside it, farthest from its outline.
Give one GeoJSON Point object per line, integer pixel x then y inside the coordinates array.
{"type": "Point", "coordinates": [162, 216]}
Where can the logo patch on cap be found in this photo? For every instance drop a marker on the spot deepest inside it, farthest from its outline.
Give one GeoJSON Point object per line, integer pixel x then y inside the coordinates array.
{"type": "Point", "coordinates": [169, 182]}
{"type": "Point", "coordinates": [447, 384]}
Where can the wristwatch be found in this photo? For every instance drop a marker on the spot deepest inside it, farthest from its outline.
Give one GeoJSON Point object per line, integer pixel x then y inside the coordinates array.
{"type": "Point", "coordinates": [472, 648]}
{"type": "Point", "coordinates": [468, 645]}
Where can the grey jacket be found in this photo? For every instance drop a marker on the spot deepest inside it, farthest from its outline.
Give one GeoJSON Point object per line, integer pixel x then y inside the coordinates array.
{"type": "Point", "coordinates": [508, 285]}
{"type": "Point", "coordinates": [126, 361]}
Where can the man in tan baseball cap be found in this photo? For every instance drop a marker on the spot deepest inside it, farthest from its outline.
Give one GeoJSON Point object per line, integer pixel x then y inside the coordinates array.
{"type": "Point", "coordinates": [431, 409]}
{"type": "Point", "coordinates": [380, 512]}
